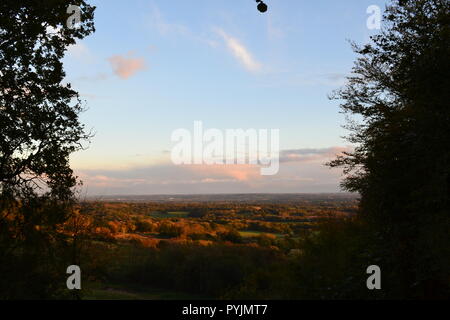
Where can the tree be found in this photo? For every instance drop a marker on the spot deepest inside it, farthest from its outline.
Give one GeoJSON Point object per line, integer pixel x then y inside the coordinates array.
{"type": "Point", "coordinates": [38, 113]}
{"type": "Point", "coordinates": [397, 103]}
{"type": "Point", "coordinates": [40, 128]}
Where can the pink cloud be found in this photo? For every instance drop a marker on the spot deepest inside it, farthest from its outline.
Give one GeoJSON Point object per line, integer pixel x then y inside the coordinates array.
{"type": "Point", "coordinates": [126, 66]}
{"type": "Point", "coordinates": [238, 172]}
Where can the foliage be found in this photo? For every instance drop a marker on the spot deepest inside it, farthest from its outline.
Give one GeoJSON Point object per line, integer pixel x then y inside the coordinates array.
{"type": "Point", "coordinates": [401, 163]}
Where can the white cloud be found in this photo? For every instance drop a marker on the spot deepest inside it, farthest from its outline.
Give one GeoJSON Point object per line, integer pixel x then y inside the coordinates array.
{"type": "Point", "coordinates": [240, 52]}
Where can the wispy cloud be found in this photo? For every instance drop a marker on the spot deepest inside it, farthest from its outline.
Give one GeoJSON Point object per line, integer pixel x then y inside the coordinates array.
{"type": "Point", "coordinates": [126, 66]}
{"type": "Point", "coordinates": [312, 154]}
{"type": "Point", "coordinates": [168, 28]}
{"type": "Point", "coordinates": [164, 27]}
{"type": "Point", "coordinates": [240, 52]}
{"type": "Point", "coordinates": [286, 79]}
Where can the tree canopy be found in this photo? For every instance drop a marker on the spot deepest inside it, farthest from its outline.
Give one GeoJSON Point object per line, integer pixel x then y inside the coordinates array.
{"type": "Point", "coordinates": [397, 102]}
{"type": "Point", "coordinates": [38, 111]}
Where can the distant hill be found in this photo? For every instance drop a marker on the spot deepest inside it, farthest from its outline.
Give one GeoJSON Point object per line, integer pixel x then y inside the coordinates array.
{"type": "Point", "coordinates": [238, 197]}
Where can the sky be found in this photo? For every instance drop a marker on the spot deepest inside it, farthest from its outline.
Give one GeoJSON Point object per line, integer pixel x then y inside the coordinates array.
{"type": "Point", "coordinates": [154, 66]}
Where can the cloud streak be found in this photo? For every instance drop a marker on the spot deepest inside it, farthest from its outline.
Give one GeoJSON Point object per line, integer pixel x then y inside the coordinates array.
{"type": "Point", "coordinates": [312, 154]}
{"type": "Point", "coordinates": [240, 52]}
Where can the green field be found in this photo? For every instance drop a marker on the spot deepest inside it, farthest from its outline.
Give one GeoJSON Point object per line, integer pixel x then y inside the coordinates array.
{"type": "Point", "coordinates": [252, 234]}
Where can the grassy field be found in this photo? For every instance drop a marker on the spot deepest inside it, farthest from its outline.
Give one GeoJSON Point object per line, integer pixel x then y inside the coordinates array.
{"type": "Point", "coordinates": [252, 234]}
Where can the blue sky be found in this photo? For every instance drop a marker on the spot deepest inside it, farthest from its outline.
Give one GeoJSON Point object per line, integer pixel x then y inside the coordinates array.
{"type": "Point", "coordinates": [155, 66]}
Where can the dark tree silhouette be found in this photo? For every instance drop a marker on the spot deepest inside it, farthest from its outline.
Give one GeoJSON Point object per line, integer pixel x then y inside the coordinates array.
{"type": "Point", "coordinates": [39, 130]}
{"type": "Point", "coordinates": [38, 113]}
{"type": "Point", "coordinates": [399, 92]}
